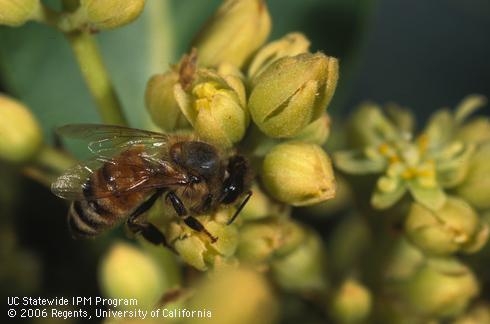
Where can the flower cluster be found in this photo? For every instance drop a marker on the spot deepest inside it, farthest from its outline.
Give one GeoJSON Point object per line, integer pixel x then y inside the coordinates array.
{"type": "Point", "coordinates": [436, 184]}
{"type": "Point", "coordinates": [266, 101]}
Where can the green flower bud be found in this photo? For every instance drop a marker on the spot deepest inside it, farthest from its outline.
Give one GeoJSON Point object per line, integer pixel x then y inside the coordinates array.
{"type": "Point", "coordinates": [261, 206]}
{"type": "Point", "coordinates": [259, 241]}
{"type": "Point", "coordinates": [161, 103]}
{"type": "Point", "coordinates": [303, 269]}
{"type": "Point", "coordinates": [476, 186]}
{"type": "Point", "coordinates": [316, 132]}
{"type": "Point", "coordinates": [292, 92]}
{"type": "Point", "coordinates": [214, 108]}
{"type": "Point", "coordinates": [127, 272]}
{"type": "Point", "coordinates": [239, 296]}
{"type": "Point", "coordinates": [478, 314]}
{"type": "Point", "coordinates": [237, 30]}
{"type": "Point", "coordinates": [298, 174]}
{"type": "Point", "coordinates": [290, 45]}
{"type": "Point", "coordinates": [196, 248]}
{"type": "Point", "coordinates": [441, 288]}
{"type": "Point", "coordinates": [107, 14]}
{"type": "Point", "coordinates": [17, 12]}
{"type": "Point", "coordinates": [348, 244]}
{"type": "Point", "coordinates": [20, 134]}
{"type": "Point", "coordinates": [264, 240]}
{"type": "Point", "coordinates": [351, 303]}
{"type": "Point", "coordinates": [404, 262]}
{"type": "Point", "coordinates": [454, 227]}
{"type": "Point", "coordinates": [475, 131]}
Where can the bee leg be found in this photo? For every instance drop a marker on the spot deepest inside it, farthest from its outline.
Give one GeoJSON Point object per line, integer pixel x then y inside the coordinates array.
{"type": "Point", "coordinates": [198, 226]}
{"type": "Point", "coordinates": [189, 220]}
{"type": "Point", "coordinates": [149, 231]}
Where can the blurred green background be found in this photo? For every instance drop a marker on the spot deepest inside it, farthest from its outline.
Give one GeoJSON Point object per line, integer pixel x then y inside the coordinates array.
{"type": "Point", "coordinates": [420, 54]}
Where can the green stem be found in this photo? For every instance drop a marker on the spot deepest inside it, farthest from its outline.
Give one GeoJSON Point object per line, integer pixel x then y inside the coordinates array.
{"type": "Point", "coordinates": [54, 160]}
{"type": "Point", "coordinates": [96, 77]}
{"type": "Point", "coordinates": [88, 57]}
{"type": "Point", "coordinates": [48, 165]}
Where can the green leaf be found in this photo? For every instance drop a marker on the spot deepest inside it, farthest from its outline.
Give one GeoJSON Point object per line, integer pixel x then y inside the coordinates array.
{"type": "Point", "coordinates": [38, 67]}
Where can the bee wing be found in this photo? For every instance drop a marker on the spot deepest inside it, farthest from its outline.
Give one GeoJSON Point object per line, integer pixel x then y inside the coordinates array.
{"type": "Point", "coordinates": [74, 183]}
{"type": "Point", "coordinates": [71, 184]}
{"type": "Point", "coordinates": [108, 140]}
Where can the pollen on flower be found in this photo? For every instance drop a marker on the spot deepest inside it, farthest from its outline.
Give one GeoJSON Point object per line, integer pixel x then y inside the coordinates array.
{"type": "Point", "coordinates": [409, 173]}
{"type": "Point", "coordinates": [205, 90]}
{"type": "Point", "coordinates": [423, 143]}
{"type": "Point", "coordinates": [385, 149]}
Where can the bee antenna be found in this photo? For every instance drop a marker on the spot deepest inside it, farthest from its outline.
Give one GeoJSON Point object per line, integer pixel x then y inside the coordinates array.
{"type": "Point", "coordinates": [239, 209]}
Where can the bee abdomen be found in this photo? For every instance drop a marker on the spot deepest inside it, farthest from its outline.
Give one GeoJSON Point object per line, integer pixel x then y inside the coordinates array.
{"type": "Point", "coordinates": [84, 220]}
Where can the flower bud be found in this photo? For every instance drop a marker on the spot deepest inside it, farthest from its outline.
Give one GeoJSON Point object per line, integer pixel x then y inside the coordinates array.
{"type": "Point", "coordinates": [17, 12]}
{"type": "Point", "coordinates": [197, 249]}
{"type": "Point", "coordinates": [107, 14]}
{"type": "Point", "coordinates": [213, 107]}
{"type": "Point", "coordinates": [298, 174]}
{"type": "Point", "coordinates": [441, 288]}
{"type": "Point", "coordinates": [290, 45]}
{"type": "Point", "coordinates": [316, 132]}
{"type": "Point", "coordinates": [161, 103]}
{"type": "Point", "coordinates": [475, 131]}
{"type": "Point", "coordinates": [238, 296]}
{"type": "Point", "coordinates": [127, 272]}
{"type": "Point", "coordinates": [292, 92]}
{"type": "Point", "coordinates": [478, 314]}
{"type": "Point", "coordinates": [259, 241]}
{"type": "Point", "coordinates": [237, 30]}
{"type": "Point", "coordinates": [262, 241]}
{"type": "Point", "coordinates": [261, 206]}
{"type": "Point", "coordinates": [351, 303]}
{"type": "Point", "coordinates": [20, 134]}
{"type": "Point", "coordinates": [348, 243]}
{"type": "Point", "coordinates": [303, 269]}
{"type": "Point", "coordinates": [404, 262]}
{"type": "Point", "coordinates": [476, 186]}
{"type": "Point", "coordinates": [452, 228]}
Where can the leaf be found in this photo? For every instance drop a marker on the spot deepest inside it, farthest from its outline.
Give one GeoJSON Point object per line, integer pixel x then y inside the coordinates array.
{"type": "Point", "coordinates": [39, 68]}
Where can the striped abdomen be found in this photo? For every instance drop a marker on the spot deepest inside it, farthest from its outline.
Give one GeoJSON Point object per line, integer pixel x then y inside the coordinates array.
{"type": "Point", "coordinates": [89, 217]}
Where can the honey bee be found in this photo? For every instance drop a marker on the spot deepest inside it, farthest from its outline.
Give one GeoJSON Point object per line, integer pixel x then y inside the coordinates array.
{"type": "Point", "coordinates": [132, 168]}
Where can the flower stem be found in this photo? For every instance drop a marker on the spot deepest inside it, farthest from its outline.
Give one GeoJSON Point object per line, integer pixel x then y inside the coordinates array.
{"type": "Point", "coordinates": [96, 77]}
{"type": "Point", "coordinates": [54, 160]}
{"type": "Point", "coordinates": [48, 165]}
